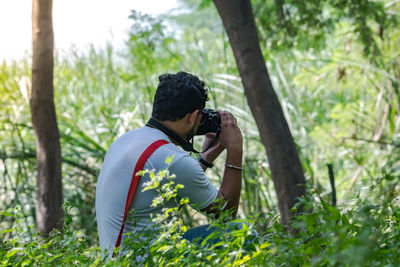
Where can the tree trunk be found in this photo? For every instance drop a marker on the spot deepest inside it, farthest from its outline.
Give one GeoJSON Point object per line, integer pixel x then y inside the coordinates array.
{"type": "Point", "coordinates": [287, 172]}
{"type": "Point", "coordinates": [49, 211]}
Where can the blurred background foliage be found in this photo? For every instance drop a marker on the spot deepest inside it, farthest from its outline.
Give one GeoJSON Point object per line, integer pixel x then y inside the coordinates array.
{"type": "Point", "coordinates": [335, 66]}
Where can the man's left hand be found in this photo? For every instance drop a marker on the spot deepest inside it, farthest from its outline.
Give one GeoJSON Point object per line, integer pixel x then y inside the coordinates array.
{"type": "Point", "coordinates": [214, 151]}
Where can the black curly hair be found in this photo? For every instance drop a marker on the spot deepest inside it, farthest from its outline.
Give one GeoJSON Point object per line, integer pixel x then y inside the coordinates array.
{"type": "Point", "coordinates": [177, 95]}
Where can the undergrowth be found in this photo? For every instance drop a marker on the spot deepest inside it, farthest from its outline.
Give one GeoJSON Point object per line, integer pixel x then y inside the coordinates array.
{"type": "Point", "coordinates": [364, 234]}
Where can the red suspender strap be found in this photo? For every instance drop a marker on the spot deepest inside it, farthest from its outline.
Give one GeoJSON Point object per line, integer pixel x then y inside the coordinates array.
{"type": "Point", "coordinates": [135, 179]}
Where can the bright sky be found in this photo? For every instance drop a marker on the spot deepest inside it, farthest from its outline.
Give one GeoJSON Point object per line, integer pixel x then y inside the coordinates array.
{"type": "Point", "coordinates": [75, 22]}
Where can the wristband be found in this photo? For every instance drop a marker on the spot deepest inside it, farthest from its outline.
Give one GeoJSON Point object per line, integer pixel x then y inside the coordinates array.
{"type": "Point", "coordinates": [234, 167]}
{"type": "Point", "coordinates": [205, 163]}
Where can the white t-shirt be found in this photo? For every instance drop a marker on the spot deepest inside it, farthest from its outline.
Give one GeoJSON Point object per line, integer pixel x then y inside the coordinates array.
{"type": "Point", "coordinates": [115, 178]}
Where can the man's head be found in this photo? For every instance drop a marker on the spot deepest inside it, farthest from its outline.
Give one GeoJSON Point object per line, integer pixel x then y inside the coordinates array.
{"type": "Point", "coordinates": [178, 102]}
{"type": "Point", "coordinates": [177, 95]}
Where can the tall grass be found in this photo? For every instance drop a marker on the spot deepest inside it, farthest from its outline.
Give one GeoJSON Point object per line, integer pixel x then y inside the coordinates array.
{"type": "Point", "coordinates": [341, 109]}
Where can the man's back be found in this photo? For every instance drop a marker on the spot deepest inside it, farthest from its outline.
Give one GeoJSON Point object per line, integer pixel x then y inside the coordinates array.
{"type": "Point", "coordinates": [116, 174]}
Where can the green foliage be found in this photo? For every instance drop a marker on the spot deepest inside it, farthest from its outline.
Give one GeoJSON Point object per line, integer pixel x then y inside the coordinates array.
{"type": "Point", "coordinates": [367, 234]}
{"type": "Point", "coordinates": [68, 247]}
{"type": "Point", "coordinates": [359, 236]}
{"type": "Point", "coordinates": [304, 25]}
{"type": "Point", "coordinates": [341, 106]}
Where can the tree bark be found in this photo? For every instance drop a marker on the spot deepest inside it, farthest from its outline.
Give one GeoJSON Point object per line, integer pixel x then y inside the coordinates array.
{"type": "Point", "coordinates": [49, 210]}
{"type": "Point", "coordinates": [287, 172]}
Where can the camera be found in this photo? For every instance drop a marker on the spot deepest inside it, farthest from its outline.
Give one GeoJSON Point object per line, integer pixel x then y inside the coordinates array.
{"type": "Point", "coordinates": [210, 122]}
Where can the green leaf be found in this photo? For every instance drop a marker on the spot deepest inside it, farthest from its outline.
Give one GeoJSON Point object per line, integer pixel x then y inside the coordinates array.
{"type": "Point", "coordinates": [184, 201]}
{"type": "Point", "coordinates": [27, 262]}
{"type": "Point", "coordinates": [241, 261]}
{"type": "Point", "coordinates": [6, 213]}
{"type": "Point", "coordinates": [55, 257]}
{"type": "Point", "coordinates": [12, 252]}
{"type": "Point", "coordinates": [7, 231]}
{"type": "Point", "coordinates": [179, 186]}
{"type": "Point", "coordinates": [265, 245]}
{"type": "Point", "coordinates": [169, 159]}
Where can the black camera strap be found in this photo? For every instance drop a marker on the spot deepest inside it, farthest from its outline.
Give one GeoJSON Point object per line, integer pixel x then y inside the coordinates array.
{"type": "Point", "coordinates": [186, 145]}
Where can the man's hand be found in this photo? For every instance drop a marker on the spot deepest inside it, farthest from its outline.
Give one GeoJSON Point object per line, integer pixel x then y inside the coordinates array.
{"type": "Point", "coordinates": [231, 136]}
{"type": "Point", "coordinates": [229, 191]}
{"type": "Point", "coordinates": [214, 151]}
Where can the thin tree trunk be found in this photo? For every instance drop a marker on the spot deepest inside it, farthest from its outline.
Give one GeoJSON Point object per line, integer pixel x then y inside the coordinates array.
{"type": "Point", "coordinates": [287, 172]}
{"type": "Point", "coordinates": [49, 211]}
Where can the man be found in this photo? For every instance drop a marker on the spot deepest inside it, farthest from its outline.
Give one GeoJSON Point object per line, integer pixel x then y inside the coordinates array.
{"type": "Point", "coordinates": [178, 110]}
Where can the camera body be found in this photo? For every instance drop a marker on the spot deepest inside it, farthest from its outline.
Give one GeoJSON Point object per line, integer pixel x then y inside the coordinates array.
{"type": "Point", "coordinates": [210, 123]}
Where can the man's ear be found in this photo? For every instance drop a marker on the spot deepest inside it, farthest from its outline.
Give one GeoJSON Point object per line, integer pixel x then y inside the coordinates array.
{"type": "Point", "coordinates": [192, 116]}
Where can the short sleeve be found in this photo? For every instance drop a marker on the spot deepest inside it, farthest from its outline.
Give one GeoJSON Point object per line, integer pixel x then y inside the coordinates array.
{"type": "Point", "coordinates": [197, 187]}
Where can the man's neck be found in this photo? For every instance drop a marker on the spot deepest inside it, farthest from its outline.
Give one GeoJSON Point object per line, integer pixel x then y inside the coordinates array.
{"type": "Point", "coordinates": [173, 132]}
{"type": "Point", "coordinates": [177, 127]}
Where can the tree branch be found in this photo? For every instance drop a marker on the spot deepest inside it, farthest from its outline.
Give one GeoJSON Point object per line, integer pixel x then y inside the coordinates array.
{"type": "Point", "coordinates": [32, 154]}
